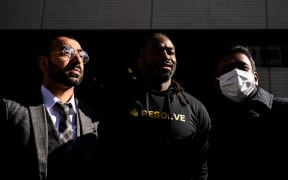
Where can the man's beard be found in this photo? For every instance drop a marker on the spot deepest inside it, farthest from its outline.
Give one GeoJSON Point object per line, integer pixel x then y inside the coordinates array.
{"type": "Point", "coordinates": [64, 77]}
{"type": "Point", "coordinates": [159, 74]}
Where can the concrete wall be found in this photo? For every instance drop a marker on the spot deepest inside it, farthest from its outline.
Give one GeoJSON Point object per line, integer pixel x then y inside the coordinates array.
{"type": "Point", "coordinates": [143, 14]}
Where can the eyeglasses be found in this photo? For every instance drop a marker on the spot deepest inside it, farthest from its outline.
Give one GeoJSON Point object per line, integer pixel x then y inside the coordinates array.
{"type": "Point", "coordinates": [70, 53]}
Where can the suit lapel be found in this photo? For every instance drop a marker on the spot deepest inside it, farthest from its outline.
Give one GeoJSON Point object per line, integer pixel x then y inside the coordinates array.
{"type": "Point", "coordinates": [83, 122]}
{"type": "Point", "coordinates": [84, 125]}
{"type": "Point", "coordinates": [39, 125]}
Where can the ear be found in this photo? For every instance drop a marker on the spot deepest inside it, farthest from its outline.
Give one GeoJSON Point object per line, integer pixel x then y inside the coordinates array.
{"type": "Point", "coordinates": [140, 63]}
{"type": "Point", "coordinates": [256, 77]}
{"type": "Point", "coordinates": [216, 85]}
{"type": "Point", "coordinates": [42, 62]}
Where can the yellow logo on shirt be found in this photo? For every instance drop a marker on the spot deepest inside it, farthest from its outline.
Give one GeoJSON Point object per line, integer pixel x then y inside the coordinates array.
{"type": "Point", "coordinates": [157, 114]}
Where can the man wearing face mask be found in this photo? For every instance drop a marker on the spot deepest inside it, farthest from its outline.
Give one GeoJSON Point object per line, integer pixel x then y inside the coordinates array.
{"type": "Point", "coordinates": [247, 138]}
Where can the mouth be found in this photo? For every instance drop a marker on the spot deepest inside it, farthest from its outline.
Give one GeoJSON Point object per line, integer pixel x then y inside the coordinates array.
{"type": "Point", "coordinates": [167, 65]}
{"type": "Point", "coordinates": [75, 71]}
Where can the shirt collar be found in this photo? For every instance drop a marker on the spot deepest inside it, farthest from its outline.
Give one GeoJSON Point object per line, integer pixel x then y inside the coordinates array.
{"type": "Point", "coordinates": [49, 99]}
{"type": "Point", "coordinates": [264, 97]}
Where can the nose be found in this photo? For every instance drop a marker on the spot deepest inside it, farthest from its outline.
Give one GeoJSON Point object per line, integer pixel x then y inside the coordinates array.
{"type": "Point", "coordinates": [165, 54]}
{"type": "Point", "coordinates": [77, 57]}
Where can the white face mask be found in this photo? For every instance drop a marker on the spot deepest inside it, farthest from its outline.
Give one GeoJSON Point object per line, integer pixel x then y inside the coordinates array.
{"type": "Point", "coordinates": [237, 84]}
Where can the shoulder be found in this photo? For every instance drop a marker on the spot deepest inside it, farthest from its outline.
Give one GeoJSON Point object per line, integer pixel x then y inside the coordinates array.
{"type": "Point", "coordinates": [271, 100]}
{"type": "Point", "coordinates": [15, 108]}
{"type": "Point", "coordinates": [198, 111]}
{"type": "Point", "coordinates": [196, 106]}
{"type": "Point", "coordinates": [27, 98]}
{"type": "Point", "coordinates": [84, 105]}
{"type": "Point", "coordinates": [184, 95]}
{"type": "Point", "coordinates": [280, 100]}
{"type": "Point", "coordinates": [14, 101]}
{"type": "Point", "coordinates": [280, 103]}
{"type": "Point", "coordinates": [192, 100]}
{"type": "Point", "coordinates": [88, 109]}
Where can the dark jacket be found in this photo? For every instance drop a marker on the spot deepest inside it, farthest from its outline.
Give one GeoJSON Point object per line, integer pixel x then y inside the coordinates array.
{"type": "Point", "coordinates": [248, 139]}
{"type": "Point", "coordinates": [29, 140]}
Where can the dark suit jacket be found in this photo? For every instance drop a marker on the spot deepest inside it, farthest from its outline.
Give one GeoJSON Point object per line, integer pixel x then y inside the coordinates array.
{"type": "Point", "coordinates": [26, 135]}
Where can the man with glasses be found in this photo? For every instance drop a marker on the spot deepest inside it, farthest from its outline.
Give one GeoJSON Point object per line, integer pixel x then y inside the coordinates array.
{"type": "Point", "coordinates": [31, 125]}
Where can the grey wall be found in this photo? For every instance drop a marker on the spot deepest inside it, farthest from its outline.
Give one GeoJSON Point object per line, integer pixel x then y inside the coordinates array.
{"type": "Point", "coordinates": [275, 80]}
{"type": "Point", "coordinates": [143, 14]}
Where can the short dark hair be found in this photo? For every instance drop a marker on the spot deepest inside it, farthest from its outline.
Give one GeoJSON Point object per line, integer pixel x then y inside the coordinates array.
{"type": "Point", "coordinates": [148, 39]}
{"type": "Point", "coordinates": [236, 48]}
{"type": "Point", "coordinates": [46, 42]}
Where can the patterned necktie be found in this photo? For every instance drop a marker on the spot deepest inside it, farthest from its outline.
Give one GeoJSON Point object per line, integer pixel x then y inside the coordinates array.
{"type": "Point", "coordinates": [65, 126]}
